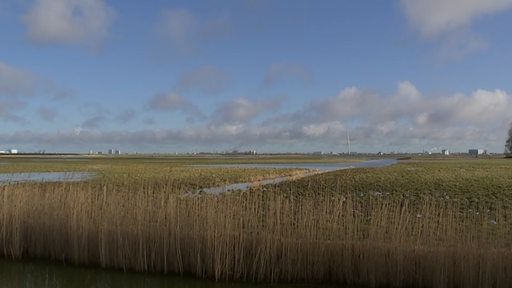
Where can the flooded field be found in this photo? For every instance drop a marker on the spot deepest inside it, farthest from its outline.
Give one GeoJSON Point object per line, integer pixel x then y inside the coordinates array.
{"type": "Point", "coordinates": [45, 176]}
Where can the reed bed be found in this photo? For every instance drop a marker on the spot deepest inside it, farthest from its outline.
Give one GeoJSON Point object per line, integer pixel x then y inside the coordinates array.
{"type": "Point", "coordinates": [350, 227]}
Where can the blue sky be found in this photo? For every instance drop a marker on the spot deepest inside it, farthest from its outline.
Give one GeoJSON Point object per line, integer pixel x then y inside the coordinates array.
{"type": "Point", "coordinates": [272, 76]}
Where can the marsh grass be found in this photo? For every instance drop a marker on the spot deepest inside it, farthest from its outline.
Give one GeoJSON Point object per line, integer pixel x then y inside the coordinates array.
{"type": "Point", "coordinates": [370, 227]}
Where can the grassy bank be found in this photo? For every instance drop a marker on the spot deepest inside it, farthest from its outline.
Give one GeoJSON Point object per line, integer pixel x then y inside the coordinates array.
{"type": "Point", "coordinates": [428, 223]}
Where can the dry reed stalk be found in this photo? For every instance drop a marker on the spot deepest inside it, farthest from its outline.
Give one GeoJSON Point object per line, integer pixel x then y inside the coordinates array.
{"type": "Point", "coordinates": [261, 235]}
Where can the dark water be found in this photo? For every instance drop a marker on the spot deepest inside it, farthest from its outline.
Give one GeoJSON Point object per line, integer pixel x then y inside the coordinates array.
{"type": "Point", "coordinates": [17, 274]}
{"type": "Point", "coordinates": [44, 274]}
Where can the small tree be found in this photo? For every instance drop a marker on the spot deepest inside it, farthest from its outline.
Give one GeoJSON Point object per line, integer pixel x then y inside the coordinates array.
{"type": "Point", "coordinates": [508, 143]}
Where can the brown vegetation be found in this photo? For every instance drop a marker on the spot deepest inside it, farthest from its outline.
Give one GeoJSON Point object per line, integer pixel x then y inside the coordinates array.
{"type": "Point", "coordinates": [332, 234]}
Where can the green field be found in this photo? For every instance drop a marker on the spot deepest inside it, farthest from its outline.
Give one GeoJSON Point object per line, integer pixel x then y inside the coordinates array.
{"type": "Point", "coordinates": [423, 222]}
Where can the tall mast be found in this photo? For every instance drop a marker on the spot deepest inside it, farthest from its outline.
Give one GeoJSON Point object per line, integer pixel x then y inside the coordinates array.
{"type": "Point", "coordinates": [348, 141]}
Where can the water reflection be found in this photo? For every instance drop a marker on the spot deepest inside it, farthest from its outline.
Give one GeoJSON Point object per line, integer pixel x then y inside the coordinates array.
{"type": "Point", "coordinates": [45, 176]}
{"type": "Point", "coordinates": [324, 166]}
{"type": "Point", "coordinates": [16, 274]}
{"type": "Point", "coordinates": [316, 167]}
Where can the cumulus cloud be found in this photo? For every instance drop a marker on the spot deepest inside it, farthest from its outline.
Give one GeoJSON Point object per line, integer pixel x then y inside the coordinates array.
{"type": "Point", "coordinates": [478, 109]}
{"type": "Point", "coordinates": [69, 21]}
{"type": "Point", "coordinates": [434, 17]}
{"type": "Point", "coordinates": [206, 78]}
{"type": "Point", "coordinates": [16, 81]}
{"type": "Point", "coordinates": [449, 22]}
{"type": "Point", "coordinates": [284, 70]}
{"type": "Point", "coordinates": [241, 110]}
{"type": "Point", "coordinates": [407, 119]}
{"type": "Point", "coordinates": [168, 101]}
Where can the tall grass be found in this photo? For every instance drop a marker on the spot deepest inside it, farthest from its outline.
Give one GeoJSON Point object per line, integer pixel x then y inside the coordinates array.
{"type": "Point", "coordinates": [331, 228]}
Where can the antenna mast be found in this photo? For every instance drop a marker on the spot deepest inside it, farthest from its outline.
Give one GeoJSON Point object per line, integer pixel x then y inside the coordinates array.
{"type": "Point", "coordinates": [348, 141]}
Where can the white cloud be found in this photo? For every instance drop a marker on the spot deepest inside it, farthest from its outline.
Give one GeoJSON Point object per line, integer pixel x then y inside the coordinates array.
{"type": "Point", "coordinates": [167, 101]}
{"type": "Point", "coordinates": [434, 17]}
{"type": "Point", "coordinates": [406, 116]}
{"type": "Point", "coordinates": [478, 109]}
{"type": "Point", "coordinates": [326, 130]}
{"type": "Point", "coordinates": [16, 81]}
{"type": "Point", "coordinates": [407, 120]}
{"type": "Point", "coordinates": [449, 23]}
{"type": "Point", "coordinates": [350, 102]}
{"type": "Point", "coordinates": [241, 110]}
{"type": "Point", "coordinates": [69, 21]}
{"type": "Point", "coordinates": [407, 91]}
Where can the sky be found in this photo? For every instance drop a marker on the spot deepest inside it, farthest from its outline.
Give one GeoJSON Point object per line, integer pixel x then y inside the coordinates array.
{"type": "Point", "coordinates": [272, 76]}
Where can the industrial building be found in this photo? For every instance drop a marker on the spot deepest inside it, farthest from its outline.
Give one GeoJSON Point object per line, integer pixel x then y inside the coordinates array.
{"type": "Point", "coordinates": [476, 152]}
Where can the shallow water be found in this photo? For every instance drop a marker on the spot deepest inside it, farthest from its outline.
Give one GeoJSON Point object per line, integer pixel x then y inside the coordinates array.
{"type": "Point", "coordinates": [45, 176]}
{"type": "Point", "coordinates": [316, 167]}
{"type": "Point", "coordinates": [325, 166]}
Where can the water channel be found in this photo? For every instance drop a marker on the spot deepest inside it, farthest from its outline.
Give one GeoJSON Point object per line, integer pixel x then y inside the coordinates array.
{"type": "Point", "coordinates": [314, 167]}
{"type": "Point", "coordinates": [30, 273]}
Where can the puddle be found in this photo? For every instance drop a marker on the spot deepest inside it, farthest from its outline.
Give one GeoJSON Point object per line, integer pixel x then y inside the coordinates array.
{"type": "Point", "coordinates": [315, 167]}
{"type": "Point", "coordinates": [245, 185]}
{"type": "Point", "coordinates": [45, 176]}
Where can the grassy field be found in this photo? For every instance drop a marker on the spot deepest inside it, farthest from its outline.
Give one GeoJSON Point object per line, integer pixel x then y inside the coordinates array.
{"type": "Point", "coordinates": [423, 222]}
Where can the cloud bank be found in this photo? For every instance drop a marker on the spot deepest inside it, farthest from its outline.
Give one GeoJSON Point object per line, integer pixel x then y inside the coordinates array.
{"type": "Point", "coordinates": [407, 120]}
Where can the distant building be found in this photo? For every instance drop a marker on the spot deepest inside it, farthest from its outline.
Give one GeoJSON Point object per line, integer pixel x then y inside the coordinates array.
{"type": "Point", "coordinates": [477, 152]}
{"type": "Point", "coordinates": [445, 152]}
